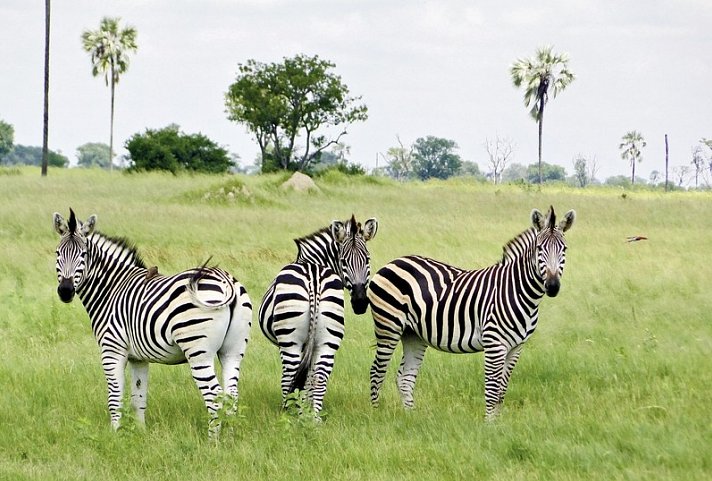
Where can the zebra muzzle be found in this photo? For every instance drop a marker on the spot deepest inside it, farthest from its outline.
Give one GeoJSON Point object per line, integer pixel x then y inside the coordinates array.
{"type": "Point", "coordinates": [65, 290]}
{"type": "Point", "coordinates": [552, 286]}
{"type": "Point", "coordinates": [359, 300]}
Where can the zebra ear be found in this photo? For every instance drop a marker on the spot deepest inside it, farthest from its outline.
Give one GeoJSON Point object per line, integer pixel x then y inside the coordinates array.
{"type": "Point", "coordinates": [568, 221]}
{"type": "Point", "coordinates": [60, 225]}
{"type": "Point", "coordinates": [338, 230]}
{"type": "Point", "coordinates": [537, 219]}
{"type": "Point", "coordinates": [370, 227]}
{"type": "Point", "coordinates": [88, 227]}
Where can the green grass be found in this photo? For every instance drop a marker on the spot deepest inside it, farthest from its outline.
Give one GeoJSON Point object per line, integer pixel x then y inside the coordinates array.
{"type": "Point", "coordinates": [615, 384]}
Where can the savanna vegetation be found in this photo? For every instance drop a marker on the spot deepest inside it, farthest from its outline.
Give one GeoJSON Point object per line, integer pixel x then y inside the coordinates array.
{"type": "Point", "coordinates": [615, 383]}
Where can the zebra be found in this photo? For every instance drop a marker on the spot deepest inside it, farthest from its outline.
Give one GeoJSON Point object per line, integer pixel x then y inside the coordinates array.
{"type": "Point", "coordinates": [302, 311]}
{"type": "Point", "coordinates": [139, 316]}
{"type": "Point", "coordinates": [422, 302]}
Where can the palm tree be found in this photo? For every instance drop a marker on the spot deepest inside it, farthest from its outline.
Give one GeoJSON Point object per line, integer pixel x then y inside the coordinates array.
{"type": "Point", "coordinates": [631, 145]}
{"type": "Point", "coordinates": [546, 72]}
{"type": "Point", "coordinates": [45, 116]}
{"type": "Point", "coordinates": [109, 48]}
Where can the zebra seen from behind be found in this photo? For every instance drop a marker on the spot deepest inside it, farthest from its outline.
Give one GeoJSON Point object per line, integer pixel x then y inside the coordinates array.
{"type": "Point", "coordinates": [139, 316]}
{"type": "Point", "coordinates": [421, 302]}
{"type": "Point", "coordinates": [302, 311]}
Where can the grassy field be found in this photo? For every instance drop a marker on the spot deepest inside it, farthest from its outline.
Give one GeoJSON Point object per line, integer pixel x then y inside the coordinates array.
{"type": "Point", "coordinates": [615, 384]}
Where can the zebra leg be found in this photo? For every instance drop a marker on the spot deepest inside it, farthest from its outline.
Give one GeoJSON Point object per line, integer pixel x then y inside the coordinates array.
{"type": "Point", "coordinates": [233, 349]}
{"type": "Point", "coordinates": [291, 356]}
{"type": "Point", "coordinates": [384, 351]}
{"type": "Point", "coordinates": [202, 367]}
{"type": "Point", "coordinates": [413, 354]}
{"type": "Point", "coordinates": [495, 356]}
{"type": "Point", "coordinates": [114, 371]}
{"type": "Point", "coordinates": [139, 389]}
{"type": "Point", "coordinates": [510, 362]}
{"type": "Point", "coordinates": [323, 365]}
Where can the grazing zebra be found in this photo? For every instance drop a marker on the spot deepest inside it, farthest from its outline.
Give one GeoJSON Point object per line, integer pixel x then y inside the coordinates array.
{"type": "Point", "coordinates": [422, 302]}
{"type": "Point", "coordinates": [140, 316]}
{"type": "Point", "coordinates": [302, 311]}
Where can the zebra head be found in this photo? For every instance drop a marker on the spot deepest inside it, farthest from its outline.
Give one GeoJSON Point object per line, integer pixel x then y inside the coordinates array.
{"type": "Point", "coordinates": [355, 260]}
{"type": "Point", "coordinates": [551, 247]}
{"type": "Point", "coordinates": [71, 253]}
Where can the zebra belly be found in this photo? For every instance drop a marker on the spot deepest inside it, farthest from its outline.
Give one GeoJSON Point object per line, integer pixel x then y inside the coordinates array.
{"type": "Point", "coordinates": [171, 355]}
{"type": "Point", "coordinates": [454, 337]}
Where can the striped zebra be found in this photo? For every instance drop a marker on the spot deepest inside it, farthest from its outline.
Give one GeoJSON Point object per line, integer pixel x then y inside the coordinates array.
{"type": "Point", "coordinates": [422, 302]}
{"type": "Point", "coordinates": [302, 311]}
{"type": "Point", "coordinates": [140, 316]}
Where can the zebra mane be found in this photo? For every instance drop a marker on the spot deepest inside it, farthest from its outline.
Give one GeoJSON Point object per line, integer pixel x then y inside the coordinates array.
{"type": "Point", "coordinates": [314, 235]}
{"type": "Point", "coordinates": [514, 249]}
{"type": "Point", "coordinates": [121, 243]}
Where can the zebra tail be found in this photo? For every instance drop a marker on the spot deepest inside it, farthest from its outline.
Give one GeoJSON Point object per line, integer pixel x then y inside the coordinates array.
{"type": "Point", "coordinates": [193, 286]}
{"type": "Point", "coordinates": [300, 376]}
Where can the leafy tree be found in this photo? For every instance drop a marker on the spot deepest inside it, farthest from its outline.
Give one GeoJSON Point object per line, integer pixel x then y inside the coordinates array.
{"type": "Point", "coordinates": [93, 154]}
{"type": "Point", "coordinates": [435, 157]}
{"type": "Point", "coordinates": [514, 173]}
{"type": "Point", "coordinates": [471, 169]}
{"type": "Point", "coordinates": [545, 72]}
{"type": "Point", "coordinates": [618, 181]}
{"type": "Point", "coordinates": [32, 155]}
{"type": "Point", "coordinates": [500, 152]}
{"type": "Point", "coordinates": [280, 102]}
{"type": "Point", "coordinates": [581, 171]}
{"type": "Point", "coordinates": [547, 172]}
{"type": "Point", "coordinates": [7, 137]}
{"type": "Point", "coordinates": [336, 159]}
{"type": "Point", "coordinates": [109, 47]}
{"type": "Point", "coordinates": [171, 150]}
{"type": "Point", "coordinates": [631, 145]}
{"type": "Point", "coordinates": [655, 177]}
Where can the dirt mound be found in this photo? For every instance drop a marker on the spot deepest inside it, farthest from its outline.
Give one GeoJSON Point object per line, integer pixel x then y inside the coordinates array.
{"type": "Point", "coordinates": [300, 182]}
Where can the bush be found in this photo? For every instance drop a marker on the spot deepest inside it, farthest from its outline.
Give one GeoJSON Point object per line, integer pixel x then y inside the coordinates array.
{"type": "Point", "coordinates": [171, 150]}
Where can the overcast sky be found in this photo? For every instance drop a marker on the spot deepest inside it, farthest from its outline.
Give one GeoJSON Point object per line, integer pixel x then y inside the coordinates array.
{"type": "Point", "coordinates": [422, 67]}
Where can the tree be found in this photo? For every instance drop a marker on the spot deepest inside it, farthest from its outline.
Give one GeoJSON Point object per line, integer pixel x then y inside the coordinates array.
{"type": "Point", "coordinates": [278, 103]}
{"type": "Point", "coordinates": [500, 152]}
{"type": "Point", "coordinates": [546, 172]}
{"type": "Point", "coordinates": [471, 169]}
{"type": "Point", "coordinates": [698, 162]}
{"type": "Point", "coordinates": [93, 154]}
{"type": "Point", "coordinates": [585, 170]}
{"type": "Point", "coordinates": [581, 171]}
{"type": "Point", "coordinates": [171, 150]}
{"type": "Point", "coordinates": [32, 155]}
{"type": "Point", "coordinates": [435, 157]}
{"type": "Point", "coordinates": [399, 161]}
{"type": "Point", "coordinates": [545, 72]}
{"type": "Point", "coordinates": [109, 48]}
{"type": "Point", "coordinates": [655, 177]}
{"type": "Point", "coordinates": [7, 137]}
{"type": "Point", "coordinates": [45, 115]}
{"type": "Point", "coordinates": [681, 172]}
{"type": "Point", "coordinates": [631, 145]}
{"type": "Point", "coordinates": [514, 173]}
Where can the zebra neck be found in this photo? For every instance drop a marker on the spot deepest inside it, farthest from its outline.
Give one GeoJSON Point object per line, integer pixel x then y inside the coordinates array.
{"type": "Point", "coordinates": [320, 249]}
{"type": "Point", "coordinates": [110, 262]}
{"type": "Point", "coordinates": [534, 282]}
{"type": "Point", "coordinates": [520, 254]}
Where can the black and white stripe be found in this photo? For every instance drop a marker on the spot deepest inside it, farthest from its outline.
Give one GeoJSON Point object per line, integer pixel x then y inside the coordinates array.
{"type": "Point", "coordinates": [139, 316]}
{"type": "Point", "coordinates": [421, 302]}
{"type": "Point", "coordinates": [302, 311]}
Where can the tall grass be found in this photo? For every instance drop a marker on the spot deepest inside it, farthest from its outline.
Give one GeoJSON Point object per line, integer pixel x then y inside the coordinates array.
{"type": "Point", "coordinates": [615, 384]}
